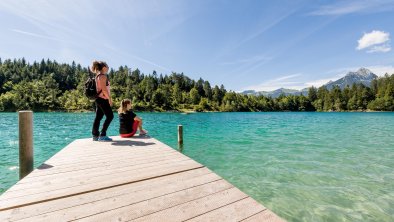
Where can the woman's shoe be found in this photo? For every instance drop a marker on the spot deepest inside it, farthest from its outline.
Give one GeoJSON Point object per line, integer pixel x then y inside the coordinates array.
{"type": "Point", "coordinates": [104, 138]}
{"type": "Point", "coordinates": [143, 132]}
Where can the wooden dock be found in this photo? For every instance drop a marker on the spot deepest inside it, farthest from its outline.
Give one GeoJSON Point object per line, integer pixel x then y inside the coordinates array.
{"type": "Point", "coordinates": [137, 179]}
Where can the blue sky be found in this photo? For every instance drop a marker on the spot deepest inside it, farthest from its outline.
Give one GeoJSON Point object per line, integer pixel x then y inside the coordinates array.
{"type": "Point", "coordinates": [242, 44]}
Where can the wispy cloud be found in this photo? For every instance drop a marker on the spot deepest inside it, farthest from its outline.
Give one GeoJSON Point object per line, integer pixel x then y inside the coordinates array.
{"type": "Point", "coordinates": [45, 16]}
{"type": "Point", "coordinates": [248, 61]}
{"type": "Point", "coordinates": [34, 34]}
{"type": "Point", "coordinates": [278, 83]}
{"type": "Point", "coordinates": [380, 48]}
{"type": "Point", "coordinates": [354, 6]}
{"type": "Point", "coordinates": [319, 82]}
{"type": "Point", "coordinates": [287, 77]}
{"type": "Point", "coordinates": [151, 63]}
{"type": "Point", "coordinates": [265, 24]}
{"type": "Point", "coordinates": [380, 70]}
{"type": "Point", "coordinates": [128, 55]}
{"type": "Point", "coordinates": [246, 65]}
{"type": "Point", "coordinates": [338, 9]}
{"type": "Point", "coordinates": [260, 30]}
{"type": "Point", "coordinates": [72, 25]}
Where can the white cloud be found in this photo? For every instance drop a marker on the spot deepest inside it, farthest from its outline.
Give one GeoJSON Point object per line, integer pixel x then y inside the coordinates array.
{"type": "Point", "coordinates": [375, 41]}
{"type": "Point", "coordinates": [379, 48]}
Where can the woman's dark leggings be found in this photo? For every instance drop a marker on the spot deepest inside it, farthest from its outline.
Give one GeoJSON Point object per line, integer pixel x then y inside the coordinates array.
{"type": "Point", "coordinates": [102, 108]}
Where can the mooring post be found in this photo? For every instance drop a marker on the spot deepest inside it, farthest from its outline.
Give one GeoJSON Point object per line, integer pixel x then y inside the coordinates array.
{"type": "Point", "coordinates": [180, 134]}
{"type": "Point", "coordinates": [26, 161]}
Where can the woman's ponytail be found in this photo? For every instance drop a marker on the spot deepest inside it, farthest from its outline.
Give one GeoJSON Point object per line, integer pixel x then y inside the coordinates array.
{"type": "Point", "coordinates": [123, 106]}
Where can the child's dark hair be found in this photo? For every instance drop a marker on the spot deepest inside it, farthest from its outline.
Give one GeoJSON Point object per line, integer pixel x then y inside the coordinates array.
{"type": "Point", "coordinates": [123, 106]}
{"type": "Point", "coordinates": [97, 66]}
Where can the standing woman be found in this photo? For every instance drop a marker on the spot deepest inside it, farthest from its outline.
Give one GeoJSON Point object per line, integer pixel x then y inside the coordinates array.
{"type": "Point", "coordinates": [103, 102]}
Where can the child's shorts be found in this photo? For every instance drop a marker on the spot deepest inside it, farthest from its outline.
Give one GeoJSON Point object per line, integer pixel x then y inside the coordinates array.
{"type": "Point", "coordinates": [135, 127]}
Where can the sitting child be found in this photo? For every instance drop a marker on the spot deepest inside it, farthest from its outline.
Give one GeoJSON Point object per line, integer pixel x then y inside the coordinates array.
{"type": "Point", "coordinates": [129, 121]}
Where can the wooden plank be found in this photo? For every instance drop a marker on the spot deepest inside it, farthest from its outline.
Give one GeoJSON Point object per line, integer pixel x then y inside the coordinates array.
{"type": "Point", "coordinates": [66, 158]}
{"type": "Point", "coordinates": [138, 142]}
{"type": "Point", "coordinates": [78, 176]}
{"type": "Point", "coordinates": [236, 211]}
{"type": "Point", "coordinates": [102, 167]}
{"type": "Point", "coordinates": [92, 184]}
{"type": "Point", "coordinates": [109, 155]}
{"type": "Point", "coordinates": [91, 149]}
{"type": "Point", "coordinates": [266, 216]}
{"type": "Point", "coordinates": [154, 205]}
{"type": "Point", "coordinates": [171, 183]}
{"type": "Point", "coordinates": [56, 183]}
{"type": "Point", "coordinates": [133, 197]}
{"type": "Point", "coordinates": [196, 207]}
{"type": "Point", "coordinates": [100, 150]}
{"type": "Point", "coordinates": [120, 159]}
{"type": "Point", "coordinates": [99, 164]}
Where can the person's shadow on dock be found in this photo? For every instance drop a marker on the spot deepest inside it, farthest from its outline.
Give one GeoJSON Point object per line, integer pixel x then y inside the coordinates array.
{"type": "Point", "coordinates": [44, 166]}
{"type": "Point", "coordinates": [130, 143]}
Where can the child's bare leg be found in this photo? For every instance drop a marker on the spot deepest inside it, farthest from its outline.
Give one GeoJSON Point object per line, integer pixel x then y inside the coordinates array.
{"type": "Point", "coordinates": [140, 126]}
{"type": "Point", "coordinates": [142, 131]}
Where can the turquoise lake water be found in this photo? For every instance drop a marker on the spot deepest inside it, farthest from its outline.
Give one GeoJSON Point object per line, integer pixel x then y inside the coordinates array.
{"type": "Point", "coordinates": [302, 166]}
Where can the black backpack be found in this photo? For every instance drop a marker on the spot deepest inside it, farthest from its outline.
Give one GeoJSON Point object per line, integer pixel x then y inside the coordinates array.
{"type": "Point", "coordinates": [90, 86]}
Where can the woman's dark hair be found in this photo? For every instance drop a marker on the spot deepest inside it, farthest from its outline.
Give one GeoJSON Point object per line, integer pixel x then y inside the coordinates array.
{"type": "Point", "coordinates": [98, 65]}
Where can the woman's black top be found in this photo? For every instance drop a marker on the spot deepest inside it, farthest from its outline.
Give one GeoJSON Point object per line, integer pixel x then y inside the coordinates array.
{"type": "Point", "coordinates": [126, 121]}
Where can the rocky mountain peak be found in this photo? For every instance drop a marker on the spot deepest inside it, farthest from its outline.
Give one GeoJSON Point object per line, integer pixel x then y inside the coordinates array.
{"type": "Point", "coordinates": [362, 73]}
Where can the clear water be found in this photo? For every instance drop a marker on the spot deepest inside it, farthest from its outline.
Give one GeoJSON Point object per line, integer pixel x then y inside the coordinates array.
{"type": "Point", "coordinates": [303, 166]}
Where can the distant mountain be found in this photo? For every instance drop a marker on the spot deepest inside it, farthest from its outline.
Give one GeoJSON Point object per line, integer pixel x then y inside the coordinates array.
{"type": "Point", "coordinates": [277, 93]}
{"type": "Point", "coordinates": [363, 75]}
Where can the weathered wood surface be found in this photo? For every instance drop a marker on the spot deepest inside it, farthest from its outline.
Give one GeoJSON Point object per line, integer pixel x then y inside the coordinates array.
{"type": "Point", "coordinates": [137, 179]}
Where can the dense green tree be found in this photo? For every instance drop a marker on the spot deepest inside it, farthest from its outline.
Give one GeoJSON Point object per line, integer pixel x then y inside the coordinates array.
{"type": "Point", "coordinates": [312, 94]}
{"type": "Point", "coordinates": [48, 85]}
{"type": "Point", "coordinates": [194, 96]}
{"type": "Point", "coordinates": [207, 90]}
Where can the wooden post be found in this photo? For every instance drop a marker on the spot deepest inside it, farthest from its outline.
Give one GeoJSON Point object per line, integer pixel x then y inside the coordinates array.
{"type": "Point", "coordinates": [180, 134]}
{"type": "Point", "coordinates": [25, 143]}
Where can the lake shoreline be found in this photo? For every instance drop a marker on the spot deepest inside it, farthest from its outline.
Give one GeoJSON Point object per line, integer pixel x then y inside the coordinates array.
{"type": "Point", "coordinates": [194, 111]}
